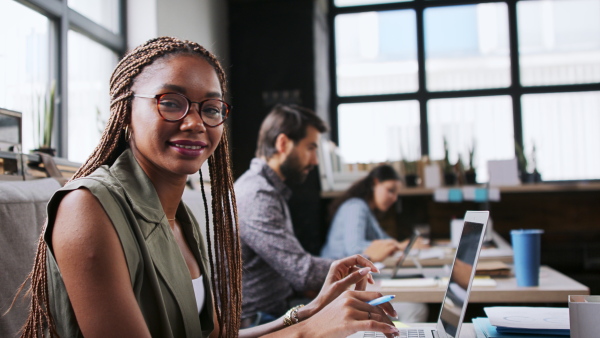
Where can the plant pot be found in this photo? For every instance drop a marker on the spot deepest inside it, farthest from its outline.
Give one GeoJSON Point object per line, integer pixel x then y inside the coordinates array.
{"type": "Point", "coordinates": [411, 180]}
{"type": "Point", "coordinates": [471, 177]}
{"type": "Point", "coordinates": [526, 177]}
{"type": "Point", "coordinates": [536, 177]}
{"type": "Point", "coordinates": [449, 179]}
{"type": "Point", "coordinates": [49, 151]}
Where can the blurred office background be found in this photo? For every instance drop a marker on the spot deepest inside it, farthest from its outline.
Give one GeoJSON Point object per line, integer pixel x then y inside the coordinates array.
{"type": "Point", "coordinates": [392, 78]}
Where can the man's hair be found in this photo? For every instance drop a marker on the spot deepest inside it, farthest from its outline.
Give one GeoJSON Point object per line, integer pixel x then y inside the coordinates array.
{"type": "Point", "coordinates": [290, 120]}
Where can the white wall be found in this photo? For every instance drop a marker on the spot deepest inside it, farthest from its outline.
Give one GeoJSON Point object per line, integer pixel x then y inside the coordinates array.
{"type": "Point", "coordinates": [202, 21]}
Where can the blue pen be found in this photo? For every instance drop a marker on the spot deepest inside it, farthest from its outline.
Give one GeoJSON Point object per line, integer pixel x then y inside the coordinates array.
{"type": "Point", "coordinates": [381, 300]}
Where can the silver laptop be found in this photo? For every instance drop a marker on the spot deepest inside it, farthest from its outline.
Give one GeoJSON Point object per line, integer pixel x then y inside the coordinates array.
{"type": "Point", "coordinates": [395, 273]}
{"type": "Point", "coordinates": [456, 298]}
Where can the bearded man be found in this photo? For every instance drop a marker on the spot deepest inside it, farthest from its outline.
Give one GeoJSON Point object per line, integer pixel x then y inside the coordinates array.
{"type": "Point", "coordinates": [276, 267]}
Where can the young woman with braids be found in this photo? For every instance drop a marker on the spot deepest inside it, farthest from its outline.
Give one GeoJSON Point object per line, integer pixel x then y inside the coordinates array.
{"type": "Point", "coordinates": [121, 254]}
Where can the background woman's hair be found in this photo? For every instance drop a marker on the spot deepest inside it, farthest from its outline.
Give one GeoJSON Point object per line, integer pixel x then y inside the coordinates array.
{"type": "Point", "coordinates": [222, 241]}
{"type": "Point", "coordinates": [364, 187]}
{"type": "Point", "coordinates": [290, 120]}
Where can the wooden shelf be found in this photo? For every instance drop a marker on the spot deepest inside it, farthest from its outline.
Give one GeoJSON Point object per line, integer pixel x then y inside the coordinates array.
{"type": "Point", "coordinates": [524, 188]}
{"type": "Point", "coordinates": [32, 167]}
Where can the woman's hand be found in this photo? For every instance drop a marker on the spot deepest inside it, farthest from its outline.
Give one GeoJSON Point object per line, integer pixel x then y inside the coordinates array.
{"type": "Point", "coordinates": [347, 314]}
{"type": "Point", "coordinates": [380, 249]}
{"type": "Point", "coordinates": [343, 274]}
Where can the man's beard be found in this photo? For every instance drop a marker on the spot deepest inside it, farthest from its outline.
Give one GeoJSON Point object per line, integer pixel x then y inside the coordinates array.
{"type": "Point", "coordinates": [292, 170]}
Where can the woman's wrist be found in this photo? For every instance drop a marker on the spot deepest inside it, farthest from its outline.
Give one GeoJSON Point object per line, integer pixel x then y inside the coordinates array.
{"type": "Point", "coordinates": [308, 311]}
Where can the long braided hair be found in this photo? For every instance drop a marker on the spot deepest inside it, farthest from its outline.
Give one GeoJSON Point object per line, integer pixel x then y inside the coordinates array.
{"type": "Point", "coordinates": [222, 240]}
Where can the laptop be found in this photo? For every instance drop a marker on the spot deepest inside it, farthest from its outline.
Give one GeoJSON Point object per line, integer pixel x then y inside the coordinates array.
{"type": "Point", "coordinates": [458, 290]}
{"type": "Point", "coordinates": [413, 238]}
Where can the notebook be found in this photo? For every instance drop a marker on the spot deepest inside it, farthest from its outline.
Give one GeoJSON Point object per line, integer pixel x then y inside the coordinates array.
{"type": "Point", "coordinates": [405, 253]}
{"type": "Point", "coordinates": [456, 298]}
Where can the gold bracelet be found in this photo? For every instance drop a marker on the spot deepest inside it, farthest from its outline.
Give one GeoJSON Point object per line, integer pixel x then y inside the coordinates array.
{"type": "Point", "coordinates": [291, 316]}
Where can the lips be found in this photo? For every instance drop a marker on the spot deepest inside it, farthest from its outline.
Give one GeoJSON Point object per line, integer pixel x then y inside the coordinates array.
{"type": "Point", "coordinates": [187, 147]}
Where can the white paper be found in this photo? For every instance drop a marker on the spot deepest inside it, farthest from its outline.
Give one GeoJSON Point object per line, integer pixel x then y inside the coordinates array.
{"type": "Point", "coordinates": [469, 193]}
{"type": "Point", "coordinates": [432, 253]}
{"type": "Point", "coordinates": [503, 172]}
{"type": "Point", "coordinates": [409, 283]}
{"type": "Point", "coordinates": [494, 194]}
{"type": "Point", "coordinates": [433, 178]}
{"type": "Point", "coordinates": [524, 317]}
{"type": "Point", "coordinates": [441, 195]}
{"type": "Point", "coordinates": [456, 227]}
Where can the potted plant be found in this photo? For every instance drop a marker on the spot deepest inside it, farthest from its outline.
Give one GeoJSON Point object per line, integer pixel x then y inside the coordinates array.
{"type": "Point", "coordinates": [536, 177]}
{"type": "Point", "coordinates": [44, 114]}
{"type": "Point", "coordinates": [410, 173]}
{"type": "Point", "coordinates": [470, 173]}
{"type": "Point", "coordinates": [523, 164]}
{"type": "Point", "coordinates": [449, 172]}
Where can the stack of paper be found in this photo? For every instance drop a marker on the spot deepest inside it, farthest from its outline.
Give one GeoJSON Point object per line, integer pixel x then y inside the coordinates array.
{"type": "Point", "coordinates": [493, 268]}
{"type": "Point", "coordinates": [483, 329]}
{"type": "Point", "coordinates": [517, 322]}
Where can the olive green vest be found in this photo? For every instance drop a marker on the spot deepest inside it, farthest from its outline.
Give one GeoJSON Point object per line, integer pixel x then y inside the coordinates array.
{"type": "Point", "coordinates": [160, 278]}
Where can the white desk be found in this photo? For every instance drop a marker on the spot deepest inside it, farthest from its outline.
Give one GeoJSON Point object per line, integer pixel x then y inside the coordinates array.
{"type": "Point", "coordinates": [502, 252]}
{"type": "Point", "coordinates": [554, 288]}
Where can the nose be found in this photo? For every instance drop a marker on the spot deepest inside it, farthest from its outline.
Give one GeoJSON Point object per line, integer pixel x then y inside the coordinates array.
{"type": "Point", "coordinates": [314, 159]}
{"type": "Point", "coordinates": [193, 121]}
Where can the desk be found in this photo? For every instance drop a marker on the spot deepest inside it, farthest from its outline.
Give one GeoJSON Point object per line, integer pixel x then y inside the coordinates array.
{"type": "Point", "coordinates": [502, 252]}
{"type": "Point", "coordinates": [554, 288]}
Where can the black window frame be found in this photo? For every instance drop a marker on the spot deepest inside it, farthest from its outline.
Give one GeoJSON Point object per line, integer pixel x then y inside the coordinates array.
{"type": "Point", "coordinates": [62, 19]}
{"type": "Point", "coordinates": [515, 90]}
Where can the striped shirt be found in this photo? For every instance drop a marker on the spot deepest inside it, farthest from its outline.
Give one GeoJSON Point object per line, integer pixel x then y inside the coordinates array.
{"type": "Point", "coordinates": [275, 264]}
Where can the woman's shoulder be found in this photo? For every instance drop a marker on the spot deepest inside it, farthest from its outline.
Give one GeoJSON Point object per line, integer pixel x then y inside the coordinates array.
{"type": "Point", "coordinates": [355, 202]}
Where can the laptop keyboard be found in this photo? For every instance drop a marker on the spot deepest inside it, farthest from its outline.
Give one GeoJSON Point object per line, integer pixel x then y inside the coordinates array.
{"type": "Point", "coordinates": [404, 333]}
{"type": "Point", "coordinates": [372, 334]}
{"type": "Point", "coordinates": [412, 333]}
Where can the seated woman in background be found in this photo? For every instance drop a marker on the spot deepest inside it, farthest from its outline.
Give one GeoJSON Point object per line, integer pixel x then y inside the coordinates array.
{"type": "Point", "coordinates": [355, 229]}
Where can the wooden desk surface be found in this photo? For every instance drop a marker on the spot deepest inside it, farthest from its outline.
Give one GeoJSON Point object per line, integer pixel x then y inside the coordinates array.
{"type": "Point", "coordinates": [554, 288]}
{"type": "Point", "coordinates": [502, 252]}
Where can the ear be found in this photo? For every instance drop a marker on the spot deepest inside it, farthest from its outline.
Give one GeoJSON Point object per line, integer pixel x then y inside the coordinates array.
{"type": "Point", "coordinates": [283, 144]}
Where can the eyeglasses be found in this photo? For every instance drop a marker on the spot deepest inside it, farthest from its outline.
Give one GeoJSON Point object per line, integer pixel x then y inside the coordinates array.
{"type": "Point", "coordinates": [174, 106]}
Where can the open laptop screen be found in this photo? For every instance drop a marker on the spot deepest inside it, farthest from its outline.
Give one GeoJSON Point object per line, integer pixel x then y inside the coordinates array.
{"type": "Point", "coordinates": [463, 270]}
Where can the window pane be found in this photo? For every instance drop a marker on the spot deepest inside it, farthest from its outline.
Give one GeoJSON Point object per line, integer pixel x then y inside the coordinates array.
{"type": "Point", "coordinates": [379, 131]}
{"type": "Point", "coordinates": [376, 53]}
{"type": "Point", "coordinates": [466, 47]}
{"type": "Point", "coordinates": [90, 67]}
{"type": "Point", "coordinates": [24, 64]}
{"type": "Point", "coordinates": [559, 41]}
{"type": "Point", "coordinates": [486, 122]}
{"type": "Point", "coordinates": [103, 12]}
{"type": "Point", "coordinates": [564, 129]}
{"type": "Point", "coordinates": [345, 3]}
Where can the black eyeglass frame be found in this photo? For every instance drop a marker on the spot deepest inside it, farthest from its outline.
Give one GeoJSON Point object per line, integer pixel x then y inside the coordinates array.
{"type": "Point", "coordinates": [157, 97]}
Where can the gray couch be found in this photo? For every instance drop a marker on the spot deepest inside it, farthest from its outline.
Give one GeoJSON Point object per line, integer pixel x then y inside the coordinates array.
{"type": "Point", "coordinates": [22, 215]}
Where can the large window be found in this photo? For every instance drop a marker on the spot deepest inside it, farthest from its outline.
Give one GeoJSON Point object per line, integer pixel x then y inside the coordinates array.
{"type": "Point", "coordinates": [489, 74]}
{"type": "Point", "coordinates": [69, 45]}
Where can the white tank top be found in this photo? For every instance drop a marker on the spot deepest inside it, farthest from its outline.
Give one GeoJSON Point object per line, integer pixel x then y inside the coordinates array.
{"type": "Point", "coordinates": [199, 291]}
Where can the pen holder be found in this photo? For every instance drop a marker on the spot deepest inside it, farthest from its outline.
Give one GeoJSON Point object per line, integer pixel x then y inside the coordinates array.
{"type": "Point", "coordinates": [584, 312]}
